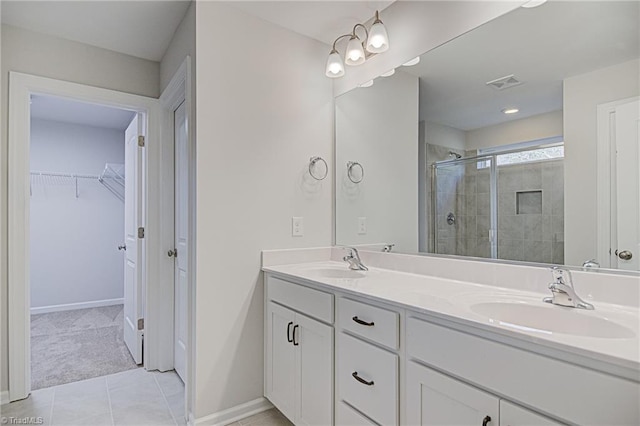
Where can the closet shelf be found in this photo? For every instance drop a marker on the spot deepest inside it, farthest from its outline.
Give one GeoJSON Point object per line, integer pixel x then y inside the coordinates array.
{"type": "Point", "coordinates": [112, 178]}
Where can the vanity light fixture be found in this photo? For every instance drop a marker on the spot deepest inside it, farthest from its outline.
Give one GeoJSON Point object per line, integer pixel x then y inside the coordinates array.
{"type": "Point", "coordinates": [414, 61]}
{"type": "Point", "coordinates": [389, 73]}
{"type": "Point", "coordinates": [376, 41]}
{"type": "Point", "coordinates": [510, 110]}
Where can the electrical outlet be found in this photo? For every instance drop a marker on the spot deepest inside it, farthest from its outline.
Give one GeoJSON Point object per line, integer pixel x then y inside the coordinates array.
{"type": "Point", "coordinates": [362, 225]}
{"type": "Point", "coordinates": [297, 226]}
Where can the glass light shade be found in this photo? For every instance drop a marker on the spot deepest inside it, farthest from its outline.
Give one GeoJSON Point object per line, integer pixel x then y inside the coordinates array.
{"type": "Point", "coordinates": [335, 66]}
{"type": "Point", "coordinates": [534, 3]}
{"type": "Point", "coordinates": [414, 61]}
{"type": "Point", "coordinates": [388, 73]}
{"type": "Point", "coordinates": [378, 40]}
{"type": "Point", "coordinates": [355, 52]}
{"type": "Point", "coordinates": [366, 84]}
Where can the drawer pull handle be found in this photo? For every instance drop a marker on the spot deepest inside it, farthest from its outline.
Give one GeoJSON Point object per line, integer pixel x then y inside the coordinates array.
{"type": "Point", "coordinates": [295, 342]}
{"type": "Point", "coordinates": [359, 321]}
{"type": "Point", "coordinates": [486, 420]}
{"type": "Point", "coordinates": [289, 339]}
{"type": "Point", "coordinates": [361, 380]}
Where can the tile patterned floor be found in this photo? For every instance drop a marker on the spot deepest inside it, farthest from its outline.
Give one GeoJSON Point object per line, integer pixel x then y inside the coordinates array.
{"type": "Point", "coordinates": [132, 398]}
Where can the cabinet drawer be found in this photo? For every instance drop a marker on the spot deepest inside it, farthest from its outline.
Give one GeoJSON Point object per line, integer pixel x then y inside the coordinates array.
{"type": "Point", "coordinates": [313, 303]}
{"type": "Point", "coordinates": [348, 416]}
{"type": "Point", "coordinates": [377, 324]}
{"type": "Point", "coordinates": [378, 397]}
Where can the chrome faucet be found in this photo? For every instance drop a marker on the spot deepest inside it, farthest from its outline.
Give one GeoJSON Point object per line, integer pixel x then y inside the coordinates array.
{"type": "Point", "coordinates": [591, 263]}
{"type": "Point", "coordinates": [353, 258]}
{"type": "Point", "coordinates": [563, 292]}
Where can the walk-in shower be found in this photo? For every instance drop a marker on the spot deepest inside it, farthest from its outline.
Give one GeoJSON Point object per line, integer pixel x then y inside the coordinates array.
{"type": "Point", "coordinates": [503, 205]}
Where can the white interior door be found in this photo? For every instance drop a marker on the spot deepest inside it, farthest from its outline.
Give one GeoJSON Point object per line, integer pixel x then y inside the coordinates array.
{"type": "Point", "coordinates": [627, 136]}
{"type": "Point", "coordinates": [133, 197]}
{"type": "Point", "coordinates": [181, 253]}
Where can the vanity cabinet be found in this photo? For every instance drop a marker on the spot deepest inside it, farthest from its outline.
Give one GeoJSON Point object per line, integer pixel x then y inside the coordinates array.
{"type": "Point", "coordinates": [299, 355]}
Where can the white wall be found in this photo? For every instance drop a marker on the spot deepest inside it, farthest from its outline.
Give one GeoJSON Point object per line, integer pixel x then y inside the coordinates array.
{"type": "Point", "coordinates": [450, 137]}
{"type": "Point", "coordinates": [582, 94]}
{"type": "Point", "coordinates": [264, 107]}
{"type": "Point", "coordinates": [47, 56]}
{"type": "Point", "coordinates": [377, 126]}
{"type": "Point", "coordinates": [532, 128]}
{"type": "Point", "coordinates": [416, 27]}
{"type": "Point", "coordinates": [182, 44]}
{"type": "Point", "coordinates": [74, 255]}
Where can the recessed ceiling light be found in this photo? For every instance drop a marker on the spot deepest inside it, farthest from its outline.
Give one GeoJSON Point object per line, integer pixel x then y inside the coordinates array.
{"type": "Point", "coordinates": [388, 73]}
{"type": "Point", "coordinates": [414, 61]}
{"type": "Point", "coordinates": [510, 110]}
{"type": "Point", "coordinates": [534, 3]}
{"type": "Point", "coordinates": [367, 83]}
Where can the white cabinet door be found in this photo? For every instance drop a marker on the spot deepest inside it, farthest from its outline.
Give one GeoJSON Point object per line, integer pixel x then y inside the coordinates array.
{"type": "Point", "coordinates": [435, 399]}
{"type": "Point", "coordinates": [314, 346]}
{"type": "Point", "coordinates": [281, 360]}
{"type": "Point", "coordinates": [512, 415]}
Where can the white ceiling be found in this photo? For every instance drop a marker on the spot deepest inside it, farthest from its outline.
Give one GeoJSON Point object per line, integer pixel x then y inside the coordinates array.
{"type": "Point", "coordinates": [69, 111]}
{"type": "Point", "coordinates": [137, 28]}
{"type": "Point", "coordinates": [320, 20]}
{"type": "Point", "coordinates": [540, 46]}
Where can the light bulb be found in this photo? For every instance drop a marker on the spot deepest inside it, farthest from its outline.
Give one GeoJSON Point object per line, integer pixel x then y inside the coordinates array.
{"type": "Point", "coordinates": [335, 67]}
{"type": "Point", "coordinates": [355, 52]}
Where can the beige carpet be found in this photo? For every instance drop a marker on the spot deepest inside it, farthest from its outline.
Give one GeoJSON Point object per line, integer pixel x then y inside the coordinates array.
{"type": "Point", "coordinates": [69, 346]}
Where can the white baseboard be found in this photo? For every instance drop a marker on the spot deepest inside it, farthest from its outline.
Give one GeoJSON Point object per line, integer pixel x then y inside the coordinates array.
{"type": "Point", "coordinates": [233, 414]}
{"type": "Point", "coordinates": [4, 397]}
{"type": "Point", "coordinates": [71, 306]}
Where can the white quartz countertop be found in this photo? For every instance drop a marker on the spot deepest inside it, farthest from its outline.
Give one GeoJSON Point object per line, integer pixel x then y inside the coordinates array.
{"type": "Point", "coordinates": [605, 336]}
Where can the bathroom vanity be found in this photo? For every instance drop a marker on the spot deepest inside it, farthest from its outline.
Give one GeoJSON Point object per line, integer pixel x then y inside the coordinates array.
{"type": "Point", "coordinates": [389, 347]}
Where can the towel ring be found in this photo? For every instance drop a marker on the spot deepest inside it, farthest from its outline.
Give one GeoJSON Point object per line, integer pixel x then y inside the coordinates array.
{"type": "Point", "coordinates": [350, 166]}
{"type": "Point", "coordinates": [312, 164]}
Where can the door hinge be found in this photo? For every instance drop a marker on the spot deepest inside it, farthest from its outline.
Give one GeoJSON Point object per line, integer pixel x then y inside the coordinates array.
{"type": "Point", "coordinates": [140, 232]}
{"type": "Point", "coordinates": [141, 324]}
{"type": "Point", "coordinates": [141, 141]}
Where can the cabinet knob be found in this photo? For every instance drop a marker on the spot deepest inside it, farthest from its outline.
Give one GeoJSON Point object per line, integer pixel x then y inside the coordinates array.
{"type": "Point", "coordinates": [486, 420]}
{"type": "Point", "coordinates": [295, 342]}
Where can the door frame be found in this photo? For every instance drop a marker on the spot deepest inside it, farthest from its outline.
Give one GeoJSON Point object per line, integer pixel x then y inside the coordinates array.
{"type": "Point", "coordinates": [179, 90]}
{"type": "Point", "coordinates": [605, 202]}
{"type": "Point", "coordinates": [21, 87]}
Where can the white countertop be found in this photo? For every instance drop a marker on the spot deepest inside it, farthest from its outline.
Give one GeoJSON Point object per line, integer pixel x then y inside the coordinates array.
{"type": "Point", "coordinates": [457, 301]}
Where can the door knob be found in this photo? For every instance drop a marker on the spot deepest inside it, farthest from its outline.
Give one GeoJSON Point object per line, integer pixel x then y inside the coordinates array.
{"type": "Point", "coordinates": [172, 253]}
{"type": "Point", "coordinates": [624, 254]}
{"type": "Point", "coordinates": [124, 247]}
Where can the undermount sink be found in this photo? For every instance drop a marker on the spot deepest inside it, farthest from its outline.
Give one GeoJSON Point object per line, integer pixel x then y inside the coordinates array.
{"type": "Point", "coordinates": [551, 320]}
{"type": "Point", "coordinates": [336, 273]}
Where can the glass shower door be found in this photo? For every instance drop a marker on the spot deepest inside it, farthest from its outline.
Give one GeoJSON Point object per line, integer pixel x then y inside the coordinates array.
{"type": "Point", "coordinates": [462, 206]}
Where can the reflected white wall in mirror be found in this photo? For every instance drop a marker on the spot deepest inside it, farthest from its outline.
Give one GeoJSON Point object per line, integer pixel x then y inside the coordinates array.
{"type": "Point", "coordinates": [556, 64]}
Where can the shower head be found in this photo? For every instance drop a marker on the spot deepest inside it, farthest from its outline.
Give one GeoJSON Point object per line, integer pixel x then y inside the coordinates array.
{"type": "Point", "coordinates": [455, 154]}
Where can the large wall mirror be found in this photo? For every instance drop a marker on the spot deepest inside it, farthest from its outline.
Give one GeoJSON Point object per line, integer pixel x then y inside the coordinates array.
{"type": "Point", "coordinates": [516, 141]}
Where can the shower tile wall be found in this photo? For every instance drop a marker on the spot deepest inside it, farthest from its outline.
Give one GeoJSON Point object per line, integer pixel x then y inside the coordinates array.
{"type": "Point", "coordinates": [532, 237]}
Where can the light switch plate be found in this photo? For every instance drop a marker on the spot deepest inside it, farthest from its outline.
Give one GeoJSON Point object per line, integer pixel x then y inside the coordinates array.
{"type": "Point", "coordinates": [297, 226]}
{"type": "Point", "coordinates": [362, 225]}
